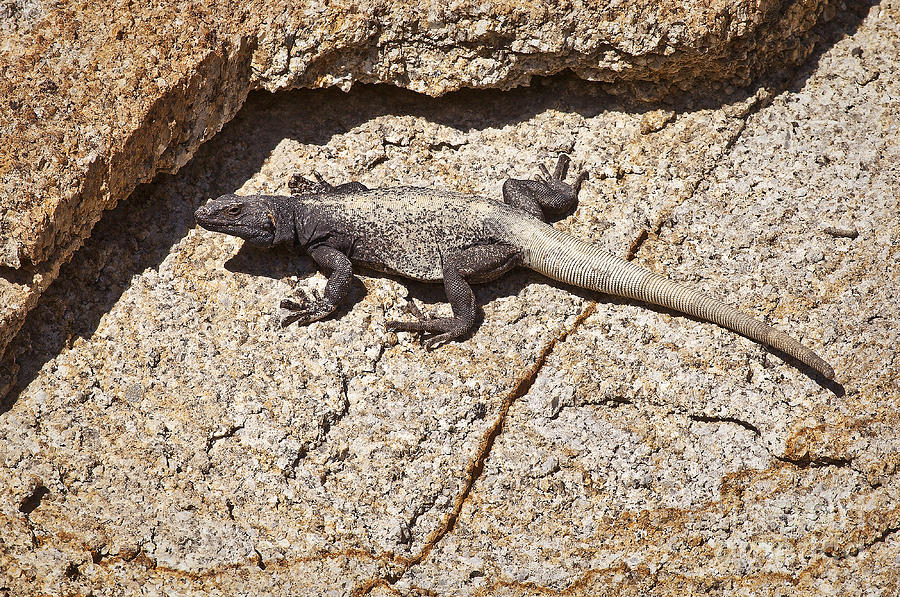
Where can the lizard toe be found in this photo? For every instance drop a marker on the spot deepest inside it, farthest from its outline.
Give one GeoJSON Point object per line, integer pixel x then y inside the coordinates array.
{"type": "Point", "coordinates": [291, 305]}
{"type": "Point", "coordinates": [289, 319]}
{"type": "Point", "coordinates": [404, 326]}
{"type": "Point", "coordinates": [309, 310]}
{"type": "Point", "coordinates": [438, 341]}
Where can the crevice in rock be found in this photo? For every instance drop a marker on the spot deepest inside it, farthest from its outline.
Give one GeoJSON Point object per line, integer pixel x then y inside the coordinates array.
{"type": "Point", "coordinates": [368, 587]}
{"type": "Point", "coordinates": [259, 560]}
{"type": "Point", "coordinates": [326, 422]}
{"type": "Point", "coordinates": [446, 145]}
{"type": "Point", "coordinates": [33, 500]}
{"type": "Point", "coordinates": [291, 470]}
{"type": "Point", "coordinates": [410, 523]}
{"type": "Point", "coordinates": [881, 538]}
{"type": "Point", "coordinates": [220, 436]}
{"type": "Point", "coordinates": [476, 466]}
{"type": "Point", "coordinates": [635, 245]}
{"type": "Point", "coordinates": [711, 419]}
{"type": "Point", "coordinates": [72, 572]}
{"type": "Point", "coordinates": [855, 550]}
{"type": "Point", "coordinates": [664, 216]}
{"type": "Point", "coordinates": [807, 461]}
{"type": "Point", "coordinates": [610, 402]}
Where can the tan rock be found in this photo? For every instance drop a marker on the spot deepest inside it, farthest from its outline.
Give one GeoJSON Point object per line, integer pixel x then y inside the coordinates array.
{"type": "Point", "coordinates": [97, 99]}
{"type": "Point", "coordinates": [168, 437]}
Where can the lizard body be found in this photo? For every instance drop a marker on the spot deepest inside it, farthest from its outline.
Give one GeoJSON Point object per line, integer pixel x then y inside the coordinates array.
{"type": "Point", "coordinates": [459, 239]}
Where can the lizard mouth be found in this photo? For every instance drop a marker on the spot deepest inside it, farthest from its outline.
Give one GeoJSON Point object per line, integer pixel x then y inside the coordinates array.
{"type": "Point", "coordinates": [217, 225]}
{"type": "Point", "coordinates": [203, 216]}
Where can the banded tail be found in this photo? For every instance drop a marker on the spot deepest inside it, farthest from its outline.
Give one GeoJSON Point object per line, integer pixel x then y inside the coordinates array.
{"type": "Point", "coordinates": [568, 259]}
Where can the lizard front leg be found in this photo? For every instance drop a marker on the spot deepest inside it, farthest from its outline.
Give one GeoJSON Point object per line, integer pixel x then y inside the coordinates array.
{"type": "Point", "coordinates": [319, 307]}
{"type": "Point", "coordinates": [477, 264]}
{"type": "Point", "coordinates": [549, 195]}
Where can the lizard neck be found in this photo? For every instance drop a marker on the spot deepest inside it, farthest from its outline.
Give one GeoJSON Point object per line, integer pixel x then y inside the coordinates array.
{"type": "Point", "coordinates": [284, 217]}
{"type": "Point", "coordinates": [305, 225]}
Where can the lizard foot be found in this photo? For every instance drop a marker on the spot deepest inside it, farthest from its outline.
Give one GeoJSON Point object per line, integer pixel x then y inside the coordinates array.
{"type": "Point", "coordinates": [309, 309]}
{"type": "Point", "coordinates": [556, 182]}
{"type": "Point", "coordinates": [300, 185]}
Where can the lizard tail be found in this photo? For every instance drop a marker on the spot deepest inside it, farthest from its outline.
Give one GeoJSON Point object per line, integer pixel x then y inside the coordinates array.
{"type": "Point", "coordinates": [572, 261]}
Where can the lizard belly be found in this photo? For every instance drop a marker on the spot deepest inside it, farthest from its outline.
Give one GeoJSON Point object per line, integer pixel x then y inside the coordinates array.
{"type": "Point", "coordinates": [417, 261]}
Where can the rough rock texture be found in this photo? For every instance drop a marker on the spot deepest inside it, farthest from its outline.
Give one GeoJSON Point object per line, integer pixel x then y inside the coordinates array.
{"type": "Point", "coordinates": [97, 98]}
{"type": "Point", "coordinates": [167, 437]}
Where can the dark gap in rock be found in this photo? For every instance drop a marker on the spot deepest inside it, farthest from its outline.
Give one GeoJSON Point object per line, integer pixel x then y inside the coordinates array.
{"type": "Point", "coordinates": [30, 503]}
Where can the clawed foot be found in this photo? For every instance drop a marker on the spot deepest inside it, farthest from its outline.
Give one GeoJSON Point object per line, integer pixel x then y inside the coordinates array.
{"type": "Point", "coordinates": [307, 309]}
{"type": "Point", "coordinates": [444, 328]}
{"type": "Point", "coordinates": [299, 185]}
{"type": "Point", "coordinates": [556, 181]}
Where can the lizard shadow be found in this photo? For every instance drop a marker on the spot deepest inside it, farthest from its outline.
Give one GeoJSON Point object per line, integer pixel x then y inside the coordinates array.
{"type": "Point", "coordinates": [828, 384]}
{"type": "Point", "coordinates": [515, 281]}
{"type": "Point", "coordinates": [283, 262]}
{"type": "Point", "coordinates": [276, 263]}
{"type": "Point", "coordinates": [136, 235]}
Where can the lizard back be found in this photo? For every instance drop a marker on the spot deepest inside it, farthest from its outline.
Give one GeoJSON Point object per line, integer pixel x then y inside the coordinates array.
{"type": "Point", "coordinates": [407, 230]}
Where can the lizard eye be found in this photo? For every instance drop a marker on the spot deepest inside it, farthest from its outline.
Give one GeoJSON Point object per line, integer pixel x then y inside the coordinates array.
{"type": "Point", "coordinates": [234, 210]}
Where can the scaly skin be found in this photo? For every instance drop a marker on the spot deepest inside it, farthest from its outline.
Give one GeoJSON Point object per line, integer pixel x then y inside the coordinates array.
{"type": "Point", "coordinates": [458, 239]}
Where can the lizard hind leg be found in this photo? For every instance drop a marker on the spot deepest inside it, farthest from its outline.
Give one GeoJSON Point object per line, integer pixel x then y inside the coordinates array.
{"type": "Point", "coordinates": [549, 195]}
{"type": "Point", "coordinates": [476, 264]}
{"type": "Point", "coordinates": [299, 185]}
{"type": "Point", "coordinates": [462, 301]}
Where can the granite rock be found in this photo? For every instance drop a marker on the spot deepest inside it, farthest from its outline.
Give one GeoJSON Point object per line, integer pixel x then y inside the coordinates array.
{"type": "Point", "coordinates": [97, 99]}
{"type": "Point", "coordinates": [166, 436]}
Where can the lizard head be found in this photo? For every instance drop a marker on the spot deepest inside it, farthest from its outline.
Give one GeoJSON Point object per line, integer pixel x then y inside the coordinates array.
{"type": "Point", "coordinates": [252, 218]}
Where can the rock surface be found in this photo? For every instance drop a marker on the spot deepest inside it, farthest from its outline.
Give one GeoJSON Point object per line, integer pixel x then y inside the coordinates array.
{"type": "Point", "coordinates": [167, 437]}
{"type": "Point", "coordinates": [97, 99]}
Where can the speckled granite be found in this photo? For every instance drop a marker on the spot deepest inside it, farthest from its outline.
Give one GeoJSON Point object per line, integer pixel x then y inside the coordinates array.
{"type": "Point", "coordinates": [165, 436]}
{"type": "Point", "coordinates": [98, 97]}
